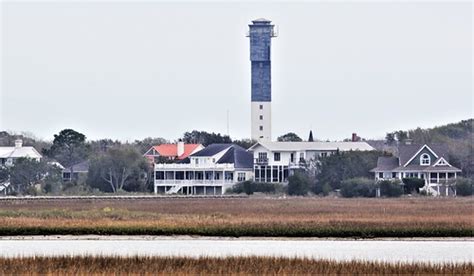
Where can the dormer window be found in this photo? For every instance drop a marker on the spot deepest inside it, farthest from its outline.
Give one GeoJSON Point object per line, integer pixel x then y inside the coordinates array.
{"type": "Point", "coordinates": [425, 159]}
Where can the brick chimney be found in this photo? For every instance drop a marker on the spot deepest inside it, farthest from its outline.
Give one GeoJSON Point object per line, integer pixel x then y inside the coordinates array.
{"type": "Point", "coordinates": [355, 138]}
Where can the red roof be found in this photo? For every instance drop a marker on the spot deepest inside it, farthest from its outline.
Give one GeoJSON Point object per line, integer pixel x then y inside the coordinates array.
{"type": "Point", "coordinates": [171, 150]}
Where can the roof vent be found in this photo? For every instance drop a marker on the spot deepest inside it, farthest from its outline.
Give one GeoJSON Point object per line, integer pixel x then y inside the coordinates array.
{"type": "Point", "coordinates": [18, 143]}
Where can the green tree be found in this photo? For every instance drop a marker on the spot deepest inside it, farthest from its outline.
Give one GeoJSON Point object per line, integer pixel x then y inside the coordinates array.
{"type": "Point", "coordinates": [345, 165]}
{"type": "Point", "coordinates": [244, 143]}
{"type": "Point", "coordinates": [26, 173]}
{"type": "Point", "coordinates": [413, 184]}
{"type": "Point", "coordinates": [390, 188]}
{"type": "Point", "coordinates": [121, 168]}
{"type": "Point", "coordinates": [69, 147]}
{"type": "Point", "coordinates": [464, 186]}
{"type": "Point", "coordinates": [298, 184]}
{"type": "Point", "coordinates": [401, 135]}
{"type": "Point", "coordinates": [390, 138]}
{"type": "Point", "coordinates": [205, 138]}
{"type": "Point", "coordinates": [289, 137]}
{"type": "Point", "coordinates": [358, 187]}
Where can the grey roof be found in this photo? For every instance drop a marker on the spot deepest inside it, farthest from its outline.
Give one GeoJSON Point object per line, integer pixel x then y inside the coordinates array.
{"type": "Point", "coordinates": [323, 146]}
{"type": "Point", "coordinates": [261, 20]}
{"type": "Point", "coordinates": [79, 167]}
{"type": "Point", "coordinates": [386, 163]}
{"type": "Point", "coordinates": [238, 156]}
{"type": "Point", "coordinates": [406, 152]}
{"type": "Point", "coordinates": [212, 150]}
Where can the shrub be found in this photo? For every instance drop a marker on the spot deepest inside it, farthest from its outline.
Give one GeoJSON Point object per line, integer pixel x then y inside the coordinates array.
{"type": "Point", "coordinates": [390, 188]}
{"type": "Point", "coordinates": [358, 187]}
{"type": "Point", "coordinates": [413, 184]}
{"type": "Point", "coordinates": [298, 184]}
{"type": "Point", "coordinates": [250, 187]}
{"type": "Point", "coordinates": [464, 186]}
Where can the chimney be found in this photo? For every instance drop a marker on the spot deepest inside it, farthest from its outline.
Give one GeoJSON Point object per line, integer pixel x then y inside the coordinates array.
{"type": "Point", "coordinates": [180, 146]}
{"type": "Point", "coordinates": [355, 138]}
{"type": "Point", "coordinates": [18, 143]}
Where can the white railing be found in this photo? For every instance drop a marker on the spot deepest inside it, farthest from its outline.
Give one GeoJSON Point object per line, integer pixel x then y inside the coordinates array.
{"type": "Point", "coordinates": [194, 166]}
{"type": "Point", "coordinates": [172, 182]}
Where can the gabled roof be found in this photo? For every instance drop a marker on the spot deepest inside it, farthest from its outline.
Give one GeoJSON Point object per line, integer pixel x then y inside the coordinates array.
{"type": "Point", "coordinates": [323, 146]}
{"type": "Point", "coordinates": [211, 150]}
{"type": "Point", "coordinates": [79, 167]}
{"type": "Point", "coordinates": [386, 163]}
{"type": "Point", "coordinates": [18, 152]}
{"type": "Point", "coordinates": [238, 156]}
{"type": "Point", "coordinates": [171, 150]}
{"type": "Point", "coordinates": [407, 152]}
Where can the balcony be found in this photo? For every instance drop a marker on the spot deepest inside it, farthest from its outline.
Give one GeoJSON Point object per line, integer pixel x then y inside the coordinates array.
{"type": "Point", "coordinates": [171, 182]}
{"type": "Point", "coordinates": [208, 166]}
{"type": "Point", "coordinates": [261, 161]}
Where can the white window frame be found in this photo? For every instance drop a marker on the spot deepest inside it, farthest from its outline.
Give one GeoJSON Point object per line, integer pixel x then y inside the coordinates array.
{"type": "Point", "coordinates": [425, 157]}
{"type": "Point", "coordinates": [241, 176]}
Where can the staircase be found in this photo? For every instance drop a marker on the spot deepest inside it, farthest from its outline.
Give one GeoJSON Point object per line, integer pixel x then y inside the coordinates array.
{"type": "Point", "coordinates": [4, 186]}
{"type": "Point", "coordinates": [175, 189]}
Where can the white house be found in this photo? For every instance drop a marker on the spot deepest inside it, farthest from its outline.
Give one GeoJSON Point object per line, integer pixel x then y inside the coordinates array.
{"type": "Point", "coordinates": [209, 171]}
{"type": "Point", "coordinates": [8, 155]}
{"type": "Point", "coordinates": [275, 161]}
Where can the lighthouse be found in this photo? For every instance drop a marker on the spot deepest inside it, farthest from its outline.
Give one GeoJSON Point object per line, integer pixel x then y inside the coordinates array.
{"type": "Point", "coordinates": [261, 31]}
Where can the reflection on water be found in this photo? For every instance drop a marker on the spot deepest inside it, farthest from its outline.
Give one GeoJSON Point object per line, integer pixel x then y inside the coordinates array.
{"type": "Point", "coordinates": [383, 250]}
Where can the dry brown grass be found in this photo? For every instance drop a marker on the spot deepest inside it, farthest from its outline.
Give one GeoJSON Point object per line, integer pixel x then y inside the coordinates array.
{"type": "Point", "coordinates": [259, 213]}
{"type": "Point", "coordinates": [223, 266]}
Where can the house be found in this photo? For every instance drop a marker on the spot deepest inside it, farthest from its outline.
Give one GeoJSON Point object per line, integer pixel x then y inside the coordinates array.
{"type": "Point", "coordinates": [75, 171]}
{"type": "Point", "coordinates": [8, 155]}
{"type": "Point", "coordinates": [428, 162]}
{"type": "Point", "coordinates": [172, 152]}
{"type": "Point", "coordinates": [211, 170]}
{"type": "Point", "coordinates": [275, 161]}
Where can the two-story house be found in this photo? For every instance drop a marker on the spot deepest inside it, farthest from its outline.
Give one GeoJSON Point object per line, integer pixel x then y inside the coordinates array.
{"type": "Point", "coordinates": [428, 162]}
{"type": "Point", "coordinates": [276, 161]}
{"type": "Point", "coordinates": [209, 171]}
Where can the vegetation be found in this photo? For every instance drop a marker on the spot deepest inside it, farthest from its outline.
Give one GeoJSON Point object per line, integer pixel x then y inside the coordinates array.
{"type": "Point", "coordinates": [250, 187]}
{"type": "Point", "coordinates": [86, 265]}
{"type": "Point", "coordinates": [358, 187]}
{"type": "Point", "coordinates": [289, 137]}
{"type": "Point", "coordinates": [390, 188]}
{"type": "Point", "coordinates": [336, 168]}
{"type": "Point", "coordinates": [413, 185]}
{"type": "Point", "coordinates": [234, 217]}
{"type": "Point", "coordinates": [465, 187]}
{"type": "Point", "coordinates": [298, 184]}
{"type": "Point", "coordinates": [27, 174]}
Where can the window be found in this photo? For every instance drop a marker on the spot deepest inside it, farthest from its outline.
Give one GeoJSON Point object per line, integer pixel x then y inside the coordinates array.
{"type": "Point", "coordinates": [262, 156]}
{"type": "Point", "coordinates": [261, 128]}
{"type": "Point", "coordinates": [261, 107]}
{"type": "Point", "coordinates": [425, 159]}
{"type": "Point", "coordinates": [261, 117]}
{"type": "Point", "coordinates": [394, 175]}
{"type": "Point", "coordinates": [380, 174]}
{"type": "Point", "coordinates": [276, 156]}
{"type": "Point", "coordinates": [324, 154]}
{"type": "Point", "coordinates": [301, 156]}
{"type": "Point", "coordinates": [240, 177]}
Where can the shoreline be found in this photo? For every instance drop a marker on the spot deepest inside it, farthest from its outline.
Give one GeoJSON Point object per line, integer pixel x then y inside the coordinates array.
{"type": "Point", "coordinates": [217, 238]}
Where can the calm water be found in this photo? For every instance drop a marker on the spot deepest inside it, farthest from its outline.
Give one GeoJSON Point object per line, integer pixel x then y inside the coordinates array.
{"type": "Point", "coordinates": [383, 250]}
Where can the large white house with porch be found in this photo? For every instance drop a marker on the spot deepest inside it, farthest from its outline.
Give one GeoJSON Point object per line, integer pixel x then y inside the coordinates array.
{"type": "Point", "coordinates": [428, 162]}
{"type": "Point", "coordinates": [210, 171]}
{"type": "Point", "coordinates": [275, 161]}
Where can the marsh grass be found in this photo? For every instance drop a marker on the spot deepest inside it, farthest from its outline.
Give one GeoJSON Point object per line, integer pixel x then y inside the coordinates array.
{"type": "Point", "coordinates": [292, 217]}
{"type": "Point", "coordinates": [87, 265]}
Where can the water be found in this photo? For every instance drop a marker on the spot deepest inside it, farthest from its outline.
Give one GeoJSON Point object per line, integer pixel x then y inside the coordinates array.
{"type": "Point", "coordinates": [435, 251]}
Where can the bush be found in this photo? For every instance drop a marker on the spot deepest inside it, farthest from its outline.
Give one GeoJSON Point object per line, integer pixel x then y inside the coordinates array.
{"type": "Point", "coordinates": [250, 187]}
{"type": "Point", "coordinates": [390, 188]}
{"type": "Point", "coordinates": [298, 184]}
{"type": "Point", "coordinates": [358, 187]}
{"type": "Point", "coordinates": [413, 184]}
{"type": "Point", "coordinates": [464, 186]}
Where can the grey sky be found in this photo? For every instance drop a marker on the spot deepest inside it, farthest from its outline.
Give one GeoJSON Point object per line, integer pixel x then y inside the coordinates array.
{"type": "Point", "coordinates": [131, 70]}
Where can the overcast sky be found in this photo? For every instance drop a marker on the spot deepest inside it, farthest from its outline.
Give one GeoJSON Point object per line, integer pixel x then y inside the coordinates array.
{"type": "Point", "coordinates": [127, 70]}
